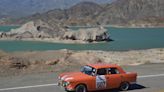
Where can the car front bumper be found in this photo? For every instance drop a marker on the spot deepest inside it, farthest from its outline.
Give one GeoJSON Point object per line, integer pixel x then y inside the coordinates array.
{"type": "Point", "coordinates": [66, 88]}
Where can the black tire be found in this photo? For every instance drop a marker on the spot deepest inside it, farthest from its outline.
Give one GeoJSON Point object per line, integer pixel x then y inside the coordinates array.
{"type": "Point", "coordinates": [124, 86]}
{"type": "Point", "coordinates": [81, 88]}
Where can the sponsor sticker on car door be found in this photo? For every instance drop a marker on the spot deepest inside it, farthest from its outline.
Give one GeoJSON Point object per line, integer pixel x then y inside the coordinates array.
{"type": "Point", "coordinates": [100, 82]}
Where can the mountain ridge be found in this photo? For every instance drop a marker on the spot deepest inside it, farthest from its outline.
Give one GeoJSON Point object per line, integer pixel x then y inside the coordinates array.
{"type": "Point", "coordinates": [21, 8]}
{"type": "Point", "coordinates": [141, 13]}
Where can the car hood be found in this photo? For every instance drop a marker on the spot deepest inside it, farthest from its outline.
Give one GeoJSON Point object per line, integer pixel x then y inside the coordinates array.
{"type": "Point", "coordinates": [73, 76]}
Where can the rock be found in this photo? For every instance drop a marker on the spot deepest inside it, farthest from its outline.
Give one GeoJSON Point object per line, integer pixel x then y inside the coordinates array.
{"type": "Point", "coordinates": [19, 63]}
{"type": "Point", "coordinates": [83, 58]}
{"type": "Point", "coordinates": [28, 27]}
{"type": "Point", "coordinates": [24, 35]}
{"type": "Point", "coordinates": [89, 35]}
{"type": "Point", "coordinates": [36, 29]}
{"type": "Point", "coordinates": [27, 30]}
{"type": "Point", "coordinates": [3, 35]}
{"type": "Point", "coordinates": [27, 35]}
{"type": "Point", "coordinates": [52, 62]}
{"type": "Point", "coordinates": [39, 29]}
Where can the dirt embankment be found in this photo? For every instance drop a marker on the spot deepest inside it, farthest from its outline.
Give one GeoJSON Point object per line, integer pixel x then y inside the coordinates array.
{"type": "Point", "coordinates": [16, 63]}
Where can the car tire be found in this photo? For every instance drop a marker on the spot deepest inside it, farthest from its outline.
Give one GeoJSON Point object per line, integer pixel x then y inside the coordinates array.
{"type": "Point", "coordinates": [81, 88]}
{"type": "Point", "coordinates": [124, 86]}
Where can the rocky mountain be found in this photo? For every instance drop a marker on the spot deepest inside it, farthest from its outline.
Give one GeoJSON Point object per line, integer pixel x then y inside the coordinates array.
{"type": "Point", "coordinates": [133, 12]}
{"type": "Point", "coordinates": [81, 13]}
{"type": "Point", "coordinates": [19, 8]}
{"type": "Point", "coordinates": [120, 12]}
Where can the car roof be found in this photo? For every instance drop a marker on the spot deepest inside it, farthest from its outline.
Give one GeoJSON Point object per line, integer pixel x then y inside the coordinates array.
{"type": "Point", "coordinates": [98, 66]}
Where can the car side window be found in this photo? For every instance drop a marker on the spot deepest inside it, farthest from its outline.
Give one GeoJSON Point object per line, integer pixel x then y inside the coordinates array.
{"type": "Point", "coordinates": [113, 71]}
{"type": "Point", "coordinates": [102, 71]}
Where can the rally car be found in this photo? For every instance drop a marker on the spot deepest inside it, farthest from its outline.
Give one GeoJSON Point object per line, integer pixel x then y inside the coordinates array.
{"type": "Point", "coordinates": [95, 77]}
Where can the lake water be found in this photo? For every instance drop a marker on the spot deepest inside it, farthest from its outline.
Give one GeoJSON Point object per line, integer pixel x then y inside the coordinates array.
{"type": "Point", "coordinates": [124, 39]}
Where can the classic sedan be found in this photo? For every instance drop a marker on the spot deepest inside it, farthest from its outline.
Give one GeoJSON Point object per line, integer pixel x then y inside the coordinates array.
{"type": "Point", "coordinates": [95, 77]}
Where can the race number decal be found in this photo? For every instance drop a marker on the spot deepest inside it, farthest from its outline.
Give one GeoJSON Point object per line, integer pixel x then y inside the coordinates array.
{"type": "Point", "coordinates": [100, 82]}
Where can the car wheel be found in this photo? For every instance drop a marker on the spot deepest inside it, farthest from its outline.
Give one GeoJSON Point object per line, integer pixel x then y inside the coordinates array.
{"type": "Point", "coordinates": [124, 86]}
{"type": "Point", "coordinates": [81, 88]}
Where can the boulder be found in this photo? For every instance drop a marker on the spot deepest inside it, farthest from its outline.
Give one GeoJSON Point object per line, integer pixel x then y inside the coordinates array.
{"type": "Point", "coordinates": [27, 35]}
{"type": "Point", "coordinates": [28, 27]}
{"type": "Point", "coordinates": [37, 29]}
{"type": "Point", "coordinates": [3, 35]}
{"type": "Point", "coordinates": [52, 62]}
{"type": "Point", "coordinates": [52, 30]}
{"type": "Point", "coordinates": [90, 34]}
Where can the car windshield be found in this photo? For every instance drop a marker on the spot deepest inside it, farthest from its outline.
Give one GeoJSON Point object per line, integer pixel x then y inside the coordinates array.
{"type": "Point", "coordinates": [88, 70]}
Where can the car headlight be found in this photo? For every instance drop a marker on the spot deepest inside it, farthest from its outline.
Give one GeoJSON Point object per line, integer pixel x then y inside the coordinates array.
{"type": "Point", "coordinates": [59, 78]}
{"type": "Point", "coordinates": [66, 83]}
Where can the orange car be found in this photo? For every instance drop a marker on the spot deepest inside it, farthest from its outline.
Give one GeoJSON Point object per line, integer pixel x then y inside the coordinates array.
{"type": "Point", "coordinates": [97, 77]}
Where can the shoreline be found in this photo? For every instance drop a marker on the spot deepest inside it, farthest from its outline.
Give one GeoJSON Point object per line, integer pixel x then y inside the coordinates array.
{"type": "Point", "coordinates": [106, 26]}
{"type": "Point", "coordinates": [116, 26]}
{"type": "Point", "coordinates": [51, 40]}
{"type": "Point", "coordinates": [27, 62]}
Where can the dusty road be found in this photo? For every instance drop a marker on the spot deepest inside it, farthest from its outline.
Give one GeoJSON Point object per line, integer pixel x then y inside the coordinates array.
{"type": "Point", "coordinates": [151, 79]}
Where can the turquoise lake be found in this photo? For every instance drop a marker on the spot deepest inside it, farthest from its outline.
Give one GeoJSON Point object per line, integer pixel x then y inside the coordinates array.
{"type": "Point", "coordinates": [124, 39]}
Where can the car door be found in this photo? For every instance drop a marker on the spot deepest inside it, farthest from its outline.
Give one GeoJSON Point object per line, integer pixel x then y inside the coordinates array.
{"type": "Point", "coordinates": [114, 78]}
{"type": "Point", "coordinates": [101, 81]}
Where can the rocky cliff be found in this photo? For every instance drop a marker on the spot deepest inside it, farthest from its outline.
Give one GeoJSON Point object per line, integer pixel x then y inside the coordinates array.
{"type": "Point", "coordinates": [42, 31]}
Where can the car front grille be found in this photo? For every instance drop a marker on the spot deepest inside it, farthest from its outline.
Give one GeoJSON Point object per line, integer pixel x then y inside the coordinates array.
{"type": "Point", "coordinates": [62, 83]}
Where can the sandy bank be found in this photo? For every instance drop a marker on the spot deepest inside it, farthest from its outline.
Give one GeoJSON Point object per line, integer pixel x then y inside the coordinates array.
{"type": "Point", "coordinates": [51, 40]}
{"type": "Point", "coordinates": [65, 60]}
